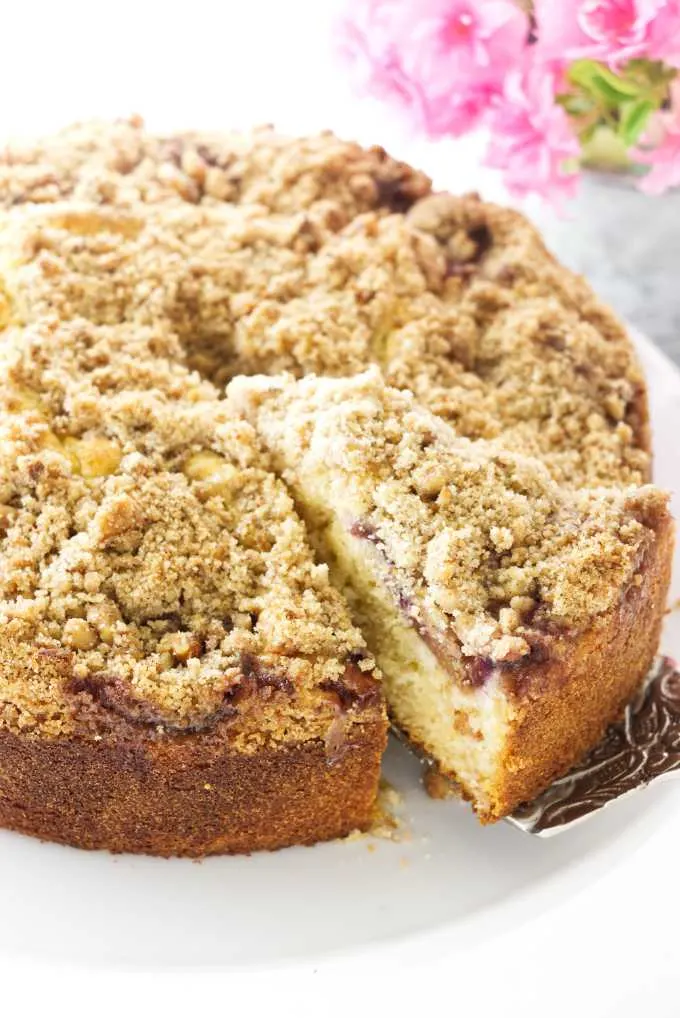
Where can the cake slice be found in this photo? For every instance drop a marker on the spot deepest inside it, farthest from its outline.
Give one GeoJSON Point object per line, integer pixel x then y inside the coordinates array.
{"type": "Point", "coordinates": [177, 674]}
{"type": "Point", "coordinates": [512, 618]}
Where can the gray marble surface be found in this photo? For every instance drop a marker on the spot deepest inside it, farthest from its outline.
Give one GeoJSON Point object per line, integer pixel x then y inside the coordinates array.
{"type": "Point", "coordinates": [628, 245]}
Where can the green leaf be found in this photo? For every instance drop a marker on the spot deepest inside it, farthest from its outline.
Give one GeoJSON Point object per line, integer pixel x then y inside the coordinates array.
{"type": "Point", "coordinates": [613, 90]}
{"type": "Point", "coordinates": [633, 119]}
{"type": "Point", "coordinates": [602, 83]}
{"type": "Point", "coordinates": [581, 72]}
{"type": "Point", "coordinates": [576, 103]}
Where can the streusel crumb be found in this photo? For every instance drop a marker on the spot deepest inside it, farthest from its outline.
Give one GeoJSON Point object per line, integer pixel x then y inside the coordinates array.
{"type": "Point", "coordinates": [469, 532]}
{"type": "Point", "coordinates": [149, 551]}
{"type": "Point", "coordinates": [148, 546]}
{"type": "Point", "coordinates": [318, 256]}
{"type": "Point", "coordinates": [121, 163]}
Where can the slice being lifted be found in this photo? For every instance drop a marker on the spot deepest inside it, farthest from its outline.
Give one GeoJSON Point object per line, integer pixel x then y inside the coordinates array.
{"type": "Point", "coordinates": [512, 618]}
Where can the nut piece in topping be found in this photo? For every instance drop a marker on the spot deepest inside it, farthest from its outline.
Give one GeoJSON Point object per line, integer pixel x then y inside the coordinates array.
{"type": "Point", "coordinates": [79, 635]}
{"type": "Point", "coordinates": [181, 646]}
{"type": "Point", "coordinates": [212, 471]}
{"type": "Point", "coordinates": [93, 457]}
{"type": "Point", "coordinates": [7, 516]}
{"type": "Point", "coordinates": [104, 618]}
{"type": "Point", "coordinates": [202, 465]}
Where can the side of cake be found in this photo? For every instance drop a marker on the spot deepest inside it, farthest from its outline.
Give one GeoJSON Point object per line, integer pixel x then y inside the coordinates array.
{"type": "Point", "coordinates": [512, 619]}
{"type": "Point", "coordinates": [177, 674]}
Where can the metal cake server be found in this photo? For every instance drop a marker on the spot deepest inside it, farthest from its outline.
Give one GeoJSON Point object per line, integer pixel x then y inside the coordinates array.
{"type": "Point", "coordinates": [641, 748]}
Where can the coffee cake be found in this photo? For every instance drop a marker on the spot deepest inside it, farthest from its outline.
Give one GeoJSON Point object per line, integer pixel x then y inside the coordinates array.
{"type": "Point", "coordinates": [178, 672]}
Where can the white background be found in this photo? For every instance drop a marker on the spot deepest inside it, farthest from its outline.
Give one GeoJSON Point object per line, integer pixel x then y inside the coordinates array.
{"type": "Point", "coordinates": [612, 950]}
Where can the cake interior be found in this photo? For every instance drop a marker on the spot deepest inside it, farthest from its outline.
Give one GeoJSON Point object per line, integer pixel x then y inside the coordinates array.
{"type": "Point", "coordinates": [462, 726]}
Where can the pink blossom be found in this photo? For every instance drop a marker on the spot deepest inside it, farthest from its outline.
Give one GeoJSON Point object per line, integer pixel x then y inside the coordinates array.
{"type": "Point", "coordinates": [664, 161]}
{"type": "Point", "coordinates": [663, 153]}
{"type": "Point", "coordinates": [443, 60]}
{"type": "Point", "coordinates": [366, 40]}
{"type": "Point", "coordinates": [610, 30]}
{"type": "Point", "coordinates": [532, 141]}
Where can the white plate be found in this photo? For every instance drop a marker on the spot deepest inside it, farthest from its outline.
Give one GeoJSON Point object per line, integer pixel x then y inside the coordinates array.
{"type": "Point", "coordinates": [448, 875]}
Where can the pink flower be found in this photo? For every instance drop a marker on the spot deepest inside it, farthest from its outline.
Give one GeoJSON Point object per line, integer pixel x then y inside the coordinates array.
{"type": "Point", "coordinates": [531, 138]}
{"type": "Point", "coordinates": [610, 30]}
{"type": "Point", "coordinates": [663, 155]}
{"type": "Point", "coordinates": [444, 60]}
{"type": "Point", "coordinates": [664, 161]}
{"type": "Point", "coordinates": [366, 40]}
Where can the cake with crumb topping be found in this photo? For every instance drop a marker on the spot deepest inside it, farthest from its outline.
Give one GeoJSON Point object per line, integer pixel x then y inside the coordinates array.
{"type": "Point", "coordinates": [512, 618]}
{"type": "Point", "coordinates": [195, 587]}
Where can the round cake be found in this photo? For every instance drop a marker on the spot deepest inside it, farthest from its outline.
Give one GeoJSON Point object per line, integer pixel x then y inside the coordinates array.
{"type": "Point", "coordinates": [196, 586]}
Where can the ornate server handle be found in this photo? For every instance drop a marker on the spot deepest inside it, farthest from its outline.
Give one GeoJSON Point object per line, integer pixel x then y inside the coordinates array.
{"type": "Point", "coordinates": [643, 747]}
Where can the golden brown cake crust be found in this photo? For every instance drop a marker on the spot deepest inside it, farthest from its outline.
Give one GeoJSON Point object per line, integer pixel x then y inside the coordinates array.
{"type": "Point", "coordinates": [157, 582]}
{"type": "Point", "coordinates": [189, 795]}
{"type": "Point", "coordinates": [565, 702]}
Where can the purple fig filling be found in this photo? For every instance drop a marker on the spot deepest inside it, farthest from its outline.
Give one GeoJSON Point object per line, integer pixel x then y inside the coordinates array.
{"type": "Point", "coordinates": [112, 694]}
{"type": "Point", "coordinates": [445, 645]}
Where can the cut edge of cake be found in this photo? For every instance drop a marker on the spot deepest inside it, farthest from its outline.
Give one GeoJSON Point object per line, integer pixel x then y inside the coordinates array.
{"type": "Point", "coordinates": [500, 719]}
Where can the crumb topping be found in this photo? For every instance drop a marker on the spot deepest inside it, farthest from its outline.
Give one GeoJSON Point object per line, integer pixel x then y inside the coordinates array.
{"type": "Point", "coordinates": [145, 534]}
{"type": "Point", "coordinates": [121, 163]}
{"type": "Point", "coordinates": [161, 552]}
{"type": "Point", "coordinates": [138, 275]}
{"type": "Point", "coordinates": [472, 537]}
{"type": "Point", "coordinates": [456, 300]}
